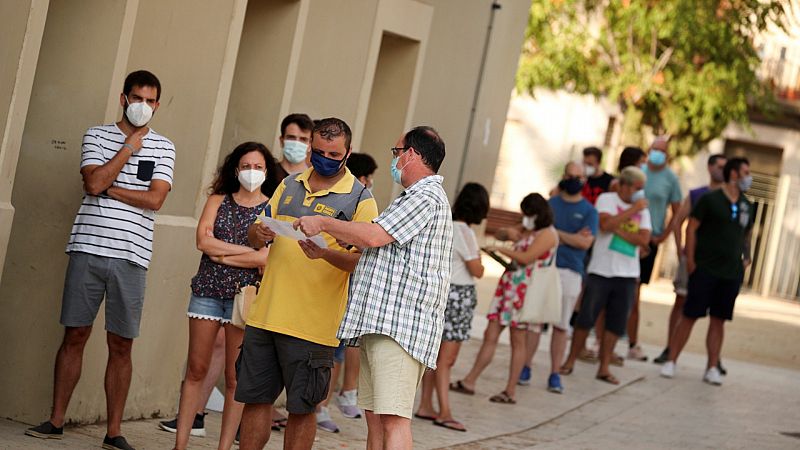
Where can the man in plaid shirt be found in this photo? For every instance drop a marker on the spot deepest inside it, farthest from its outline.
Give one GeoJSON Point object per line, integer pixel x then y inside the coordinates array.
{"type": "Point", "coordinates": [398, 291]}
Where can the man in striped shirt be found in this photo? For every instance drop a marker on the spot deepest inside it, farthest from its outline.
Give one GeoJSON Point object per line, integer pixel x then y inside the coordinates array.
{"type": "Point", "coordinates": [127, 172]}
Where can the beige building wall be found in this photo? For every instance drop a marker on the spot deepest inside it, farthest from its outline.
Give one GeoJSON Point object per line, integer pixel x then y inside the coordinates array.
{"type": "Point", "coordinates": [229, 71]}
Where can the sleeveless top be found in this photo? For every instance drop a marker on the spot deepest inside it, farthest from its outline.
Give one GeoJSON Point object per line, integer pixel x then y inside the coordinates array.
{"type": "Point", "coordinates": [220, 280]}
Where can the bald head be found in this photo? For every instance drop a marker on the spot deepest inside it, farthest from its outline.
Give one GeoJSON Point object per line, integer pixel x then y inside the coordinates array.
{"type": "Point", "coordinates": [573, 169]}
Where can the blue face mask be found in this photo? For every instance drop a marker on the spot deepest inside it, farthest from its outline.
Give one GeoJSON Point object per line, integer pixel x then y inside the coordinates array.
{"type": "Point", "coordinates": [657, 157]}
{"type": "Point", "coordinates": [397, 174]}
{"type": "Point", "coordinates": [325, 166]}
{"type": "Point", "coordinates": [638, 195]}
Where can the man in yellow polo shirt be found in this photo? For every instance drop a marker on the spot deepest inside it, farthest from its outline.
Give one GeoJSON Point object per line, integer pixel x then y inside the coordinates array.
{"type": "Point", "coordinates": [291, 328]}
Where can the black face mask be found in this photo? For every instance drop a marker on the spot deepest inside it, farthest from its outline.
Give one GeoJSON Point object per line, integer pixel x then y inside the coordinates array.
{"type": "Point", "coordinates": [571, 185]}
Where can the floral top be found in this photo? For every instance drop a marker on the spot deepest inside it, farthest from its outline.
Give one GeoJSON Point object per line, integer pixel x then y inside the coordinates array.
{"type": "Point", "coordinates": [220, 280]}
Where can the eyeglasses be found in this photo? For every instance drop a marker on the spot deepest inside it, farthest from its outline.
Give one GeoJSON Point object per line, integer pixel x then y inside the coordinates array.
{"type": "Point", "coordinates": [734, 211]}
{"type": "Point", "coordinates": [398, 150]}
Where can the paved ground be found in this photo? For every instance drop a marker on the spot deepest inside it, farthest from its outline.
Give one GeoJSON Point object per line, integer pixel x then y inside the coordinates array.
{"type": "Point", "coordinates": [758, 406]}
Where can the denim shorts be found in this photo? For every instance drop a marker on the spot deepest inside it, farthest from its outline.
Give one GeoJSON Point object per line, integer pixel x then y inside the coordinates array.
{"type": "Point", "coordinates": [210, 308]}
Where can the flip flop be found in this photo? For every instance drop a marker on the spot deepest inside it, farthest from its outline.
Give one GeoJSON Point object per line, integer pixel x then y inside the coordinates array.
{"type": "Point", "coordinates": [564, 370]}
{"type": "Point", "coordinates": [458, 386]}
{"type": "Point", "coordinates": [276, 426]}
{"type": "Point", "coordinates": [502, 397]}
{"type": "Point", "coordinates": [450, 425]}
{"type": "Point", "coordinates": [608, 378]}
{"type": "Point", "coordinates": [423, 417]}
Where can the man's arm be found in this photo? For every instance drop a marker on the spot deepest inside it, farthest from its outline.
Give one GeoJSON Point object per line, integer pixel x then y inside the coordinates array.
{"type": "Point", "coordinates": [747, 254]}
{"type": "Point", "coordinates": [581, 240]}
{"type": "Point", "coordinates": [672, 226]}
{"type": "Point", "coordinates": [691, 243]}
{"type": "Point", "coordinates": [610, 223]}
{"type": "Point", "coordinates": [344, 261]}
{"type": "Point", "coordinates": [98, 178]}
{"type": "Point", "coordinates": [360, 234]}
{"type": "Point", "coordinates": [152, 198]}
{"type": "Point", "coordinates": [640, 238]}
{"type": "Point", "coordinates": [680, 217]}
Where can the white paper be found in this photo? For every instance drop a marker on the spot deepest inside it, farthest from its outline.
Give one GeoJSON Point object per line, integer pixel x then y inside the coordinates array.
{"type": "Point", "coordinates": [285, 229]}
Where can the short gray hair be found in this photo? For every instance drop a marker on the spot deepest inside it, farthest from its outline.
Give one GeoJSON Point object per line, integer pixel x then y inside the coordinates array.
{"type": "Point", "coordinates": [631, 175]}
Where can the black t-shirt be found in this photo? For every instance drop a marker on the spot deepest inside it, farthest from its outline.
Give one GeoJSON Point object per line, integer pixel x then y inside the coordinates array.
{"type": "Point", "coordinates": [721, 234]}
{"type": "Point", "coordinates": [595, 186]}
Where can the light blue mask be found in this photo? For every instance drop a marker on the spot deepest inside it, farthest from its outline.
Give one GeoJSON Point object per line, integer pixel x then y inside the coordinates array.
{"type": "Point", "coordinates": [397, 174]}
{"type": "Point", "coordinates": [638, 195]}
{"type": "Point", "coordinates": [657, 157]}
{"type": "Point", "coordinates": [294, 151]}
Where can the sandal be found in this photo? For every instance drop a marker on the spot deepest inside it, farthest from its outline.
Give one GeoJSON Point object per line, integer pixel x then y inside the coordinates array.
{"type": "Point", "coordinates": [617, 360]}
{"type": "Point", "coordinates": [608, 378]}
{"type": "Point", "coordinates": [458, 386]}
{"type": "Point", "coordinates": [503, 397]}
{"type": "Point", "coordinates": [424, 417]}
{"type": "Point", "coordinates": [450, 425]}
{"type": "Point", "coordinates": [564, 370]}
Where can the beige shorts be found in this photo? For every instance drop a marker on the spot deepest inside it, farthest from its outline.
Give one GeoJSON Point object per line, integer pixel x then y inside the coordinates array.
{"type": "Point", "coordinates": [571, 284]}
{"type": "Point", "coordinates": [389, 377]}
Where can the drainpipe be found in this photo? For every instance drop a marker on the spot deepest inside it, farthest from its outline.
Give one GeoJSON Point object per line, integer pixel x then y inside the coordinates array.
{"type": "Point", "coordinates": [495, 6]}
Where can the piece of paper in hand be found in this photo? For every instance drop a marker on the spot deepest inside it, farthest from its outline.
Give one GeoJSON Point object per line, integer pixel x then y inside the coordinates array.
{"type": "Point", "coordinates": [285, 229]}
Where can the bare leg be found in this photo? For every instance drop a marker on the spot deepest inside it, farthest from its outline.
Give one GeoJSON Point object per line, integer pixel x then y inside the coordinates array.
{"type": "Point", "coordinates": [374, 431]}
{"type": "Point", "coordinates": [518, 340]}
{"type": "Point", "coordinates": [256, 418]}
{"type": "Point", "coordinates": [633, 320]}
{"type": "Point", "coordinates": [426, 397]}
{"type": "Point", "coordinates": [485, 354]}
{"type": "Point", "coordinates": [300, 432]}
{"type": "Point", "coordinates": [558, 345]}
{"type": "Point", "coordinates": [215, 369]}
{"type": "Point", "coordinates": [67, 370]}
{"type": "Point", "coordinates": [600, 327]}
{"type": "Point", "coordinates": [578, 344]}
{"type": "Point", "coordinates": [675, 317]}
{"type": "Point", "coordinates": [680, 337]}
{"type": "Point", "coordinates": [352, 362]}
{"type": "Point", "coordinates": [337, 368]}
{"type": "Point", "coordinates": [448, 352]}
{"type": "Point", "coordinates": [232, 411]}
{"type": "Point", "coordinates": [606, 350]}
{"type": "Point", "coordinates": [396, 432]}
{"type": "Point", "coordinates": [716, 333]}
{"type": "Point", "coordinates": [202, 334]}
{"type": "Point", "coordinates": [531, 344]}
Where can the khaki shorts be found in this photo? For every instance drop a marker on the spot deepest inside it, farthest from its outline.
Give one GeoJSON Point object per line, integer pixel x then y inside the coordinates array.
{"type": "Point", "coordinates": [571, 284]}
{"type": "Point", "coordinates": [389, 377]}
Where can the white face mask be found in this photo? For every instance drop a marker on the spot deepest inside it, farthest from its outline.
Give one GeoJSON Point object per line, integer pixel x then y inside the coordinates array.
{"type": "Point", "coordinates": [590, 170]}
{"type": "Point", "coordinates": [252, 179]}
{"type": "Point", "coordinates": [294, 151]}
{"type": "Point", "coordinates": [139, 113]}
{"type": "Point", "coordinates": [528, 222]}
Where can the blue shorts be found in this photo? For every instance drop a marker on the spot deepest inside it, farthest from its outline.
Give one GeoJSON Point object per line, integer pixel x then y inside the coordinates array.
{"type": "Point", "coordinates": [210, 308]}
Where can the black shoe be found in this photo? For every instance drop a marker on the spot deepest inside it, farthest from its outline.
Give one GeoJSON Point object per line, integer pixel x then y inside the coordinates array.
{"type": "Point", "coordinates": [662, 358]}
{"type": "Point", "coordinates": [722, 371]}
{"type": "Point", "coordinates": [116, 443]}
{"type": "Point", "coordinates": [46, 430]}
{"type": "Point", "coordinates": [198, 426]}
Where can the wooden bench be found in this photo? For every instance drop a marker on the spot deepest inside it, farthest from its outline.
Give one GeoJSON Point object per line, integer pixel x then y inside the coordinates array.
{"type": "Point", "coordinates": [500, 218]}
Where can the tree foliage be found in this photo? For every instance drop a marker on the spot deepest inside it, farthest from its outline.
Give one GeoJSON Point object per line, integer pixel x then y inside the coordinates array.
{"type": "Point", "coordinates": [682, 67]}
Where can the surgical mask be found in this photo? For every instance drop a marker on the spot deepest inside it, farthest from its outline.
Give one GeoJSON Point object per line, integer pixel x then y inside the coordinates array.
{"type": "Point", "coordinates": [716, 175]}
{"type": "Point", "coordinates": [638, 195]}
{"type": "Point", "coordinates": [657, 157]}
{"type": "Point", "coordinates": [397, 173]}
{"type": "Point", "coordinates": [294, 151]}
{"type": "Point", "coordinates": [139, 113]}
{"type": "Point", "coordinates": [643, 166]}
{"type": "Point", "coordinates": [528, 222]}
{"type": "Point", "coordinates": [590, 170]}
{"type": "Point", "coordinates": [571, 185]}
{"type": "Point", "coordinates": [745, 183]}
{"type": "Point", "coordinates": [252, 179]}
{"type": "Point", "coordinates": [325, 166]}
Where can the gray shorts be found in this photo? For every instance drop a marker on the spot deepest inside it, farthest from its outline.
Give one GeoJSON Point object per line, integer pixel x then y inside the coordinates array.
{"type": "Point", "coordinates": [270, 361]}
{"type": "Point", "coordinates": [90, 278]}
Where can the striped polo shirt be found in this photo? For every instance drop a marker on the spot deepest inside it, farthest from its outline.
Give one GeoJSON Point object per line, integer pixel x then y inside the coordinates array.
{"type": "Point", "coordinates": [108, 227]}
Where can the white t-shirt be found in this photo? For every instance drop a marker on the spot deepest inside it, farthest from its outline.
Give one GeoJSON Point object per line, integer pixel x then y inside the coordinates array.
{"type": "Point", "coordinates": [108, 227]}
{"type": "Point", "coordinates": [613, 256]}
{"type": "Point", "coordinates": [465, 248]}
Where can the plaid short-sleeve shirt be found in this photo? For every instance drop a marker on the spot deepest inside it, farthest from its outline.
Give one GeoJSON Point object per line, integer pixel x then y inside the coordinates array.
{"type": "Point", "coordinates": [400, 289]}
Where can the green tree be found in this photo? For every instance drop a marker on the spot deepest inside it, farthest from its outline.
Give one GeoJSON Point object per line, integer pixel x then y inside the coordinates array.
{"type": "Point", "coordinates": [682, 67]}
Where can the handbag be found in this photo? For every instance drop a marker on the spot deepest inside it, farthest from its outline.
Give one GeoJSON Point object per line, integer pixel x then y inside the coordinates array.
{"type": "Point", "coordinates": [543, 297]}
{"type": "Point", "coordinates": [241, 304]}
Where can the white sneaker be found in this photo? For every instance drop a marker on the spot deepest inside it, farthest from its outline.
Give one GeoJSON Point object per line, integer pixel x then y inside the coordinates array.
{"type": "Point", "coordinates": [668, 369]}
{"type": "Point", "coordinates": [713, 377]}
{"type": "Point", "coordinates": [347, 402]}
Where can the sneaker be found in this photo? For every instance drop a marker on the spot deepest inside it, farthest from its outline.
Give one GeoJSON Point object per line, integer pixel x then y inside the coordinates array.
{"type": "Point", "coordinates": [116, 443]}
{"type": "Point", "coordinates": [198, 426]}
{"type": "Point", "coordinates": [637, 354]}
{"type": "Point", "coordinates": [554, 384]}
{"type": "Point", "coordinates": [525, 376]}
{"type": "Point", "coordinates": [723, 371]}
{"type": "Point", "coordinates": [347, 402]}
{"type": "Point", "coordinates": [46, 430]}
{"type": "Point", "coordinates": [662, 358]}
{"type": "Point", "coordinates": [713, 377]}
{"type": "Point", "coordinates": [668, 369]}
{"type": "Point", "coordinates": [324, 421]}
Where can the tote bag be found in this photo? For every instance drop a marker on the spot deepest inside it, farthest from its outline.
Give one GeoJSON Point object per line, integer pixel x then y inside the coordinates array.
{"type": "Point", "coordinates": [241, 305]}
{"type": "Point", "coordinates": [543, 296]}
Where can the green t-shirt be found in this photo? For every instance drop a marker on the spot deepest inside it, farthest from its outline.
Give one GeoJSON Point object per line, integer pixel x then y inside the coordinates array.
{"type": "Point", "coordinates": [721, 234]}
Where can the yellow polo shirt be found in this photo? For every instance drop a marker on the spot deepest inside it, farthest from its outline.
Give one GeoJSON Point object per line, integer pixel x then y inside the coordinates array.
{"type": "Point", "coordinates": [299, 296]}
